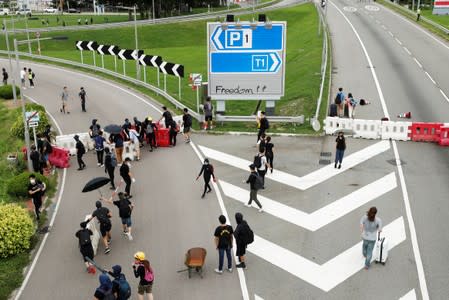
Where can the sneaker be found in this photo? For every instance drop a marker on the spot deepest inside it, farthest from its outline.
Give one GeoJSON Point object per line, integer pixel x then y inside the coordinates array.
{"type": "Point", "coordinates": [202, 196]}
{"type": "Point", "coordinates": [260, 209]}
{"type": "Point", "coordinates": [79, 169]}
{"type": "Point", "coordinates": [230, 270]}
{"type": "Point", "coordinates": [107, 250]}
{"type": "Point", "coordinates": [102, 165]}
{"type": "Point", "coordinates": [339, 166]}
{"type": "Point", "coordinates": [335, 166]}
{"type": "Point", "coordinates": [247, 205]}
{"type": "Point", "coordinates": [209, 191]}
{"type": "Point", "coordinates": [60, 109]}
{"type": "Point", "coordinates": [98, 164]}
{"type": "Point", "coordinates": [130, 237]}
{"type": "Point", "coordinates": [271, 171]}
{"type": "Point", "coordinates": [241, 265]}
{"type": "Point", "coordinates": [218, 271]}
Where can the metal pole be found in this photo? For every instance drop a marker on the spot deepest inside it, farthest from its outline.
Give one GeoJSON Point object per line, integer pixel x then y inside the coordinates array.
{"type": "Point", "coordinates": [179, 87]}
{"type": "Point", "coordinates": [38, 46]}
{"type": "Point", "coordinates": [419, 5]}
{"type": "Point", "coordinates": [413, 5]}
{"type": "Point", "coordinates": [82, 58]}
{"type": "Point", "coordinates": [165, 82]}
{"type": "Point", "coordinates": [13, 80]}
{"type": "Point", "coordinates": [137, 44]}
{"type": "Point", "coordinates": [115, 63]}
{"type": "Point", "coordinates": [102, 61]}
{"type": "Point", "coordinates": [28, 34]}
{"type": "Point", "coordinates": [27, 134]}
{"type": "Point", "coordinates": [154, 16]}
{"type": "Point", "coordinates": [93, 55]}
{"type": "Point", "coordinates": [319, 23]}
{"type": "Point", "coordinates": [197, 100]}
{"type": "Point", "coordinates": [124, 68]}
{"type": "Point", "coordinates": [34, 134]}
{"type": "Point", "coordinates": [144, 74]}
{"type": "Point", "coordinates": [158, 80]}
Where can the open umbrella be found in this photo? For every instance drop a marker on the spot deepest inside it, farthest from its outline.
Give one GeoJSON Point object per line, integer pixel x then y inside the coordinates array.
{"type": "Point", "coordinates": [95, 183]}
{"type": "Point", "coordinates": [113, 128]}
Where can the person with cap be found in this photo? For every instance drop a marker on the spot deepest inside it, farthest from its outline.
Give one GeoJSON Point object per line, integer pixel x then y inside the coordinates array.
{"type": "Point", "coordinates": [240, 235]}
{"type": "Point", "coordinates": [207, 170]}
{"type": "Point", "coordinates": [120, 286]}
{"type": "Point", "coordinates": [166, 115]}
{"type": "Point", "coordinates": [150, 132]}
{"type": "Point", "coordinates": [82, 95]}
{"type": "Point", "coordinates": [104, 291]}
{"type": "Point", "coordinates": [85, 245]}
{"type": "Point", "coordinates": [143, 270]}
{"type": "Point", "coordinates": [125, 208]}
{"type": "Point", "coordinates": [127, 176]}
{"type": "Point", "coordinates": [253, 188]}
{"type": "Point", "coordinates": [80, 150]}
{"type": "Point", "coordinates": [103, 216]}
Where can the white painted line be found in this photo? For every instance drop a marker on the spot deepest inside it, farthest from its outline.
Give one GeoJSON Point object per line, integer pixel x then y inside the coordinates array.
{"type": "Point", "coordinates": [324, 215]}
{"type": "Point", "coordinates": [444, 95]}
{"type": "Point", "coordinates": [310, 179]}
{"type": "Point", "coordinates": [430, 77]}
{"type": "Point", "coordinates": [398, 41]}
{"type": "Point", "coordinates": [417, 62]}
{"type": "Point", "coordinates": [384, 27]}
{"type": "Point", "coordinates": [414, 239]}
{"type": "Point", "coordinates": [257, 297]}
{"type": "Point", "coordinates": [331, 273]}
{"type": "Point", "coordinates": [241, 274]}
{"type": "Point", "coordinates": [406, 50]}
{"type": "Point", "coordinates": [409, 296]}
{"type": "Point", "coordinates": [391, 33]}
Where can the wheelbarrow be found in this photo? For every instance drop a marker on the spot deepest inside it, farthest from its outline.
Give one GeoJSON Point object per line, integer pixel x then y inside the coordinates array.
{"type": "Point", "coordinates": [195, 258]}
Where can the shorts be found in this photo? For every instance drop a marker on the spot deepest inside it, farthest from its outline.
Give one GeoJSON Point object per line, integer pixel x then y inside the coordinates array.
{"type": "Point", "coordinates": [241, 249]}
{"type": "Point", "coordinates": [186, 129]}
{"type": "Point", "coordinates": [127, 221]}
{"type": "Point", "coordinates": [105, 228]}
{"type": "Point", "coordinates": [145, 289]}
{"type": "Point", "coordinates": [46, 157]}
{"type": "Point", "coordinates": [87, 251]}
{"type": "Point", "coordinates": [208, 118]}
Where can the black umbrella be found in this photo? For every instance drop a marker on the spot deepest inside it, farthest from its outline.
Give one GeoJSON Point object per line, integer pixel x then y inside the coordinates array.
{"type": "Point", "coordinates": [95, 183]}
{"type": "Point", "coordinates": [113, 128]}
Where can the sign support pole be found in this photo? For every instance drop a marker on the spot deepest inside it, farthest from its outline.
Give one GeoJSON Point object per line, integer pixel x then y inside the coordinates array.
{"type": "Point", "coordinates": [82, 58]}
{"type": "Point", "coordinates": [144, 74]}
{"type": "Point", "coordinates": [179, 87]}
{"type": "Point", "coordinates": [102, 61]}
{"type": "Point", "coordinates": [38, 46]}
{"type": "Point", "coordinates": [124, 68]}
{"type": "Point", "coordinates": [115, 63]}
{"type": "Point", "coordinates": [34, 134]}
{"type": "Point", "coordinates": [93, 55]}
{"type": "Point", "coordinates": [165, 82]}
{"type": "Point", "coordinates": [197, 100]}
{"type": "Point", "coordinates": [158, 81]}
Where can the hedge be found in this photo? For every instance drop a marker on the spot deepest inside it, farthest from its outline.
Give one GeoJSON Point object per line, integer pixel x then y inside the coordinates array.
{"type": "Point", "coordinates": [17, 186]}
{"type": "Point", "coordinates": [6, 92]}
{"type": "Point", "coordinates": [17, 128]}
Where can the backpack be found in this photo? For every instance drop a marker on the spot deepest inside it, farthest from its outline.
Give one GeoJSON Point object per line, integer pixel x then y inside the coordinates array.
{"type": "Point", "coordinates": [258, 183]}
{"type": "Point", "coordinates": [98, 142]}
{"type": "Point", "coordinates": [108, 295]}
{"type": "Point", "coordinates": [113, 160]}
{"type": "Point", "coordinates": [33, 75]}
{"type": "Point", "coordinates": [338, 98]}
{"type": "Point", "coordinates": [249, 235]}
{"type": "Point", "coordinates": [124, 291]}
{"type": "Point", "coordinates": [149, 276]}
{"type": "Point", "coordinates": [268, 123]}
{"type": "Point", "coordinates": [84, 237]}
{"type": "Point", "coordinates": [149, 129]}
{"type": "Point", "coordinates": [94, 130]}
{"type": "Point", "coordinates": [102, 216]}
{"type": "Point", "coordinates": [125, 209]}
{"type": "Point", "coordinates": [257, 161]}
{"type": "Point", "coordinates": [225, 236]}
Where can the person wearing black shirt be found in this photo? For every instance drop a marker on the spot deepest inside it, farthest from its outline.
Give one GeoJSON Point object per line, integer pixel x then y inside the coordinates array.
{"type": "Point", "coordinates": [207, 170]}
{"type": "Point", "coordinates": [103, 216]}
{"type": "Point", "coordinates": [150, 132]}
{"type": "Point", "coordinates": [223, 243]}
{"type": "Point", "coordinates": [80, 150]}
{"type": "Point", "coordinates": [35, 158]}
{"type": "Point", "coordinates": [85, 245]}
{"type": "Point", "coordinates": [127, 176]}
{"type": "Point", "coordinates": [172, 131]}
{"type": "Point", "coordinates": [166, 115]}
{"type": "Point", "coordinates": [36, 189]}
{"type": "Point", "coordinates": [253, 191]}
{"type": "Point", "coordinates": [269, 147]}
{"type": "Point", "coordinates": [82, 95]}
{"type": "Point", "coordinates": [187, 123]}
{"type": "Point", "coordinates": [109, 168]}
{"type": "Point", "coordinates": [125, 208]}
{"type": "Point", "coordinates": [5, 76]}
{"type": "Point", "coordinates": [263, 125]}
{"type": "Point", "coordinates": [340, 149]}
{"type": "Point", "coordinates": [139, 128]}
{"type": "Point", "coordinates": [239, 234]}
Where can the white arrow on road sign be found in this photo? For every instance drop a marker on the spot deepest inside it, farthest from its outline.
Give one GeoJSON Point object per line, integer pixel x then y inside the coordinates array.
{"type": "Point", "coordinates": [121, 54]}
{"type": "Point", "coordinates": [89, 45]}
{"type": "Point", "coordinates": [162, 67]}
{"type": "Point", "coordinates": [333, 272]}
{"type": "Point", "coordinates": [276, 62]}
{"type": "Point", "coordinates": [141, 60]}
{"type": "Point", "coordinates": [100, 49]}
{"type": "Point", "coordinates": [175, 70]}
{"type": "Point", "coordinates": [79, 45]}
{"type": "Point", "coordinates": [135, 54]}
{"type": "Point", "coordinates": [111, 50]}
{"type": "Point", "coordinates": [216, 38]}
{"type": "Point", "coordinates": [309, 180]}
{"type": "Point", "coordinates": [323, 216]}
{"type": "Point", "coordinates": [154, 61]}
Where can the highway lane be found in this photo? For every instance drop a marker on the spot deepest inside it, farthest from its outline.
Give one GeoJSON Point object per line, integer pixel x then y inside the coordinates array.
{"type": "Point", "coordinates": [395, 46]}
{"type": "Point", "coordinates": [169, 218]}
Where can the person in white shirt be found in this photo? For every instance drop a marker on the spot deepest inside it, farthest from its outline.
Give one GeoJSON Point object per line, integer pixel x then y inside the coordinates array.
{"type": "Point", "coordinates": [263, 166]}
{"type": "Point", "coordinates": [23, 75]}
{"type": "Point", "coordinates": [134, 137]}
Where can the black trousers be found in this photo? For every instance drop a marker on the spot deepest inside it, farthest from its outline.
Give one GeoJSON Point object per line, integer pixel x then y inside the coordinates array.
{"type": "Point", "coordinates": [37, 207]}
{"type": "Point", "coordinates": [270, 159]}
{"type": "Point", "coordinates": [128, 184]}
{"type": "Point", "coordinates": [262, 174]}
{"type": "Point", "coordinates": [100, 156]}
{"type": "Point", "coordinates": [83, 105]}
{"type": "Point", "coordinates": [79, 158]}
{"type": "Point", "coordinates": [173, 138]}
{"type": "Point", "coordinates": [206, 185]}
{"type": "Point", "coordinates": [111, 175]}
{"type": "Point", "coordinates": [259, 134]}
{"type": "Point", "coordinates": [151, 139]}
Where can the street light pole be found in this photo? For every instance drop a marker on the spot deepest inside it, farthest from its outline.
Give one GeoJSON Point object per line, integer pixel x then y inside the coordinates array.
{"type": "Point", "coordinates": [137, 45]}
{"type": "Point", "coordinates": [13, 80]}
{"type": "Point", "coordinates": [25, 123]}
{"type": "Point", "coordinates": [154, 17]}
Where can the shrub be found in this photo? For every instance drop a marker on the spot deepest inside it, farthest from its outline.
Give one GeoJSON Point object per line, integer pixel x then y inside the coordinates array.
{"type": "Point", "coordinates": [16, 230]}
{"type": "Point", "coordinates": [6, 92]}
{"type": "Point", "coordinates": [17, 186]}
{"type": "Point", "coordinates": [17, 128]}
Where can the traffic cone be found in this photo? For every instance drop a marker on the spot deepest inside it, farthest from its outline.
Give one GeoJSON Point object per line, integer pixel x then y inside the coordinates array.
{"type": "Point", "coordinates": [406, 115]}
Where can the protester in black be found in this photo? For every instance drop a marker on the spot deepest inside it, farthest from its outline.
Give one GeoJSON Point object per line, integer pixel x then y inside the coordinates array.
{"type": "Point", "coordinates": [269, 152]}
{"type": "Point", "coordinates": [82, 94]}
{"type": "Point", "coordinates": [127, 176]}
{"type": "Point", "coordinates": [5, 76]}
{"type": "Point", "coordinates": [36, 189]}
{"type": "Point", "coordinates": [80, 150]}
{"type": "Point", "coordinates": [118, 278]}
{"type": "Point", "coordinates": [110, 162]}
{"type": "Point", "coordinates": [125, 208]}
{"type": "Point", "coordinates": [223, 243]}
{"type": "Point", "coordinates": [166, 115]}
{"type": "Point", "coordinates": [207, 170]}
{"type": "Point", "coordinates": [253, 189]}
{"type": "Point", "coordinates": [240, 234]}
{"type": "Point", "coordinates": [85, 245]}
{"type": "Point", "coordinates": [173, 131]}
{"type": "Point", "coordinates": [36, 160]}
{"type": "Point", "coordinates": [263, 125]}
{"type": "Point", "coordinates": [340, 149]}
{"type": "Point", "coordinates": [126, 127]}
{"type": "Point", "coordinates": [150, 132]}
{"type": "Point", "coordinates": [187, 123]}
{"type": "Point", "coordinates": [139, 129]}
{"type": "Point", "coordinates": [103, 216]}
{"type": "Point", "coordinates": [104, 291]}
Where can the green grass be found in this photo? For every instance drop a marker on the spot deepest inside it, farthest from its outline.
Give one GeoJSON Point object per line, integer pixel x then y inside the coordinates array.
{"type": "Point", "coordinates": [440, 19]}
{"type": "Point", "coordinates": [11, 275]}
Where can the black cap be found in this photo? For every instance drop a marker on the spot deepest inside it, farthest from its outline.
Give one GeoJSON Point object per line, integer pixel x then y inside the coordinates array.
{"type": "Point", "coordinates": [98, 204]}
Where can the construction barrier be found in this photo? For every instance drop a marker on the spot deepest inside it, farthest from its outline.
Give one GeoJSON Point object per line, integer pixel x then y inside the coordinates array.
{"type": "Point", "coordinates": [162, 136]}
{"type": "Point", "coordinates": [444, 136]}
{"type": "Point", "coordinates": [59, 157]}
{"type": "Point", "coordinates": [425, 132]}
{"type": "Point", "coordinates": [95, 237]}
{"type": "Point", "coordinates": [334, 124]}
{"type": "Point", "coordinates": [66, 142]}
{"type": "Point", "coordinates": [398, 131]}
{"type": "Point", "coordinates": [129, 151]}
{"type": "Point", "coordinates": [367, 129]}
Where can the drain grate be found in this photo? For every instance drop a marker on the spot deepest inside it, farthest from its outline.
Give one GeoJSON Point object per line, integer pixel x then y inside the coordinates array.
{"type": "Point", "coordinates": [324, 161]}
{"type": "Point", "coordinates": [326, 154]}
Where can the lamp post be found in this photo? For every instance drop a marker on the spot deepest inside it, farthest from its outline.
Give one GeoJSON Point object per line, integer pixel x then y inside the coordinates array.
{"type": "Point", "coordinates": [13, 80]}
{"type": "Point", "coordinates": [137, 45]}
{"type": "Point", "coordinates": [154, 16]}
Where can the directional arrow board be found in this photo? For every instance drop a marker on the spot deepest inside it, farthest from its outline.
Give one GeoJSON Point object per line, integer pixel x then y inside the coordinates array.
{"type": "Point", "coordinates": [92, 45]}
{"type": "Point", "coordinates": [126, 54]}
{"type": "Point", "coordinates": [103, 49]}
{"type": "Point", "coordinates": [113, 50]}
{"type": "Point", "coordinates": [243, 58]}
{"type": "Point", "coordinates": [172, 69]}
{"type": "Point", "coordinates": [150, 60]}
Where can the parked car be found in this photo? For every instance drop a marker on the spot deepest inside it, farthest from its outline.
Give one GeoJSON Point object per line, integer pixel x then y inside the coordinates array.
{"type": "Point", "coordinates": [73, 11]}
{"type": "Point", "coordinates": [24, 12]}
{"type": "Point", "coordinates": [50, 10]}
{"type": "Point", "coordinates": [4, 11]}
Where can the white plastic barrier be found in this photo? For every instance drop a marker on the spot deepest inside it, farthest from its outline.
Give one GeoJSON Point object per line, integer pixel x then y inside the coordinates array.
{"type": "Point", "coordinates": [367, 129]}
{"type": "Point", "coordinates": [398, 131]}
{"type": "Point", "coordinates": [87, 140]}
{"type": "Point", "coordinates": [334, 124]}
{"type": "Point", "coordinates": [67, 142]}
{"type": "Point", "coordinates": [129, 151]}
{"type": "Point", "coordinates": [95, 238]}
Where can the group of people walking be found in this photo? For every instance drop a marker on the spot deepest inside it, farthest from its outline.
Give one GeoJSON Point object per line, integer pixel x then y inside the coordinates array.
{"type": "Point", "coordinates": [344, 106]}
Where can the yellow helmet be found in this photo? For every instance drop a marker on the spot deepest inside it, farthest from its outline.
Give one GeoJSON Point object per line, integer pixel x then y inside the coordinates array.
{"type": "Point", "coordinates": [139, 255]}
{"type": "Point", "coordinates": [149, 118]}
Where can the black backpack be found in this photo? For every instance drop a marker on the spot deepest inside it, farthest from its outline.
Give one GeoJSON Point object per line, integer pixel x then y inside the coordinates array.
{"type": "Point", "coordinates": [248, 235]}
{"type": "Point", "coordinates": [102, 216]}
{"type": "Point", "coordinates": [258, 183]}
{"type": "Point", "coordinates": [188, 122]}
{"type": "Point", "coordinates": [108, 295]}
{"type": "Point", "coordinates": [84, 237]}
{"type": "Point", "coordinates": [125, 209]}
{"type": "Point", "coordinates": [124, 291]}
{"type": "Point", "coordinates": [257, 161]}
{"type": "Point", "coordinates": [338, 98]}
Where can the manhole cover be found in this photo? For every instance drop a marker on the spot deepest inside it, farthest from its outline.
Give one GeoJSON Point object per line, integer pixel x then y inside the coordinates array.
{"type": "Point", "coordinates": [325, 153]}
{"type": "Point", "coordinates": [324, 161]}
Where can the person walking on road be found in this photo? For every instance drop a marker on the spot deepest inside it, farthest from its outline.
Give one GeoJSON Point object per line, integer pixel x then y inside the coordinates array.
{"type": "Point", "coordinates": [85, 245]}
{"type": "Point", "coordinates": [143, 270]}
{"type": "Point", "coordinates": [117, 139]}
{"type": "Point", "coordinates": [5, 76]}
{"type": "Point", "coordinates": [173, 132]}
{"type": "Point", "coordinates": [104, 291]}
{"type": "Point", "coordinates": [223, 243]}
{"type": "Point", "coordinates": [99, 148]}
{"type": "Point", "coordinates": [150, 132]}
{"type": "Point", "coordinates": [369, 226]}
{"type": "Point", "coordinates": [31, 77]}
{"type": "Point", "coordinates": [208, 171]}
{"type": "Point", "coordinates": [103, 216]}
{"type": "Point", "coordinates": [263, 125]}
{"type": "Point", "coordinates": [208, 114]}
{"type": "Point", "coordinates": [125, 208]}
{"type": "Point", "coordinates": [240, 234]}
{"type": "Point", "coordinates": [65, 100]}
{"type": "Point", "coordinates": [255, 183]}
{"type": "Point", "coordinates": [339, 101]}
{"type": "Point", "coordinates": [140, 130]}
{"type": "Point", "coordinates": [166, 115]}
{"type": "Point", "coordinates": [340, 149]}
{"type": "Point", "coordinates": [80, 150]}
{"type": "Point", "coordinates": [94, 129]}
{"type": "Point", "coordinates": [134, 137]}
{"type": "Point", "coordinates": [23, 76]}
{"type": "Point", "coordinates": [127, 176]}
{"type": "Point", "coordinates": [269, 152]}
{"type": "Point", "coordinates": [36, 190]}
{"type": "Point", "coordinates": [82, 95]}
{"type": "Point", "coordinates": [260, 161]}
{"type": "Point", "coordinates": [418, 14]}
{"type": "Point", "coordinates": [110, 162]}
{"type": "Point", "coordinates": [187, 123]}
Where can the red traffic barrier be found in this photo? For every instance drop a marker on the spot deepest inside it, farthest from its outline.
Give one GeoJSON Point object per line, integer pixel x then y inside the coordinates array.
{"type": "Point", "coordinates": [444, 136]}
{"type": "Point", "coordinates": [60, 157]}
{"type": "Point", "coordinates": [425, 132]}
{"type": "Point", "coordinates": [162, 137]}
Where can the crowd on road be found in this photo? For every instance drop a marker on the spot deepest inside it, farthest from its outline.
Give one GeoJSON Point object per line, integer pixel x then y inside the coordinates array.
{"type": "Point", "coordinates": [344, 106]}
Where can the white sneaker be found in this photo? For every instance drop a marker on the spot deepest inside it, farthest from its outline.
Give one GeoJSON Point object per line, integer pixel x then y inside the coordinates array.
{"type": "Point", "coordinates": [247, 205]}
{"type": "Point", "coordinates": [130, 237]}
{"type": "Point", "coordinates": [102, 166]}
{"type": "Point", "coordinates": [260, 209]}
{"type": "Point", "coordinates": [230, 270]}
{"type": "Point", "coordinates": [218, 271]}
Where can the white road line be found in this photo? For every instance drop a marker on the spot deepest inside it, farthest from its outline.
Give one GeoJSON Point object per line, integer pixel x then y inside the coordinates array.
{"type": "Point", "coordinates": [333, 272]}
{"type": "Point", "coordinates": [257, 297]}
{"type": "Point", "coordinates": [391, 33]}
{"type": "Point", "coordinates": [324, 215]}
{"type": "Point", "coordinates": [241, 274]}
{"type": "Point", "coordinates": [417, 62]}
{"type": "Point", "coordinates": [409, 296]}
{"type": "Point", "coordinates": [430, 77]}
{"type": "Point", "coordinates": [406, 50]}
{"type": "Point", "coordinates": [414, 239]}
{"type": "Point", "coordinates": [398, 41]}
{"type": "Point", "coordinates": [310, 179]}
{"type": "Point", "coordinates": [444, 95]}
{"type": "Point", "coordinates": [384, 27]}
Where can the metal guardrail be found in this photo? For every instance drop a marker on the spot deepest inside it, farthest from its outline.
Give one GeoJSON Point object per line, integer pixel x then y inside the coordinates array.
{"type": "Point", "coordinates": [323, 59]}
{"type": "Point", "coordinates": [274, 119]}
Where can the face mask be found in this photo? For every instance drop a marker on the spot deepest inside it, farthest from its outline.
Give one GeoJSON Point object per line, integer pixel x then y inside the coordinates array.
{"type": "Point", "coordinates": [32, 181]}
{"type": "Point", "coordinates": [129, 165]}
{"type": "Point", "coordinates": [206, 163]}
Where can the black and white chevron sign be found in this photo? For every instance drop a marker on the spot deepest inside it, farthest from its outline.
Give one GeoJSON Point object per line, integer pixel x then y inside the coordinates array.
{"type": "Point", "coordinates": [150, 60]}
{"type": "Point", "coordinates": [172, 69]}
{"type": "Point", "coordinates": [107, 50]}
{"type": "Point", "coordinates": [113, 50]}
{"type": "Point", "coordinates": [126, 54]}
{"type": "Point", "coordinates": [86, 45]}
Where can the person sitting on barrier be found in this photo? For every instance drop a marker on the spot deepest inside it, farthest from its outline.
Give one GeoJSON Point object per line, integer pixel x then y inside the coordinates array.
{"type": "Point", "coordinates": [85, 245]}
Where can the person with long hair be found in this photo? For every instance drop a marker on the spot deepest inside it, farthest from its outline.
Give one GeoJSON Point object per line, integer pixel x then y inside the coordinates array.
{"type": "Point", "coordinates": [143, 270]}
{"type": "Point", "coordinates": [369, 226]}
